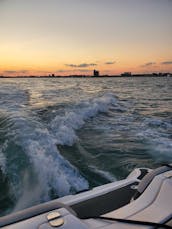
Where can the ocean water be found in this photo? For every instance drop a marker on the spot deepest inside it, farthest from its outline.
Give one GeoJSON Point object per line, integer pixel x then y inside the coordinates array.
{"type": "Point", "coordinates": [61, 136]}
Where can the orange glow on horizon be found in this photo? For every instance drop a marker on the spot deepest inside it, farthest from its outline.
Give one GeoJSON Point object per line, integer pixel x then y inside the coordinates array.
{"type": "Point", "coordinates": [80, 36]}
{"type": "Point", "coordinates": [63, 69]}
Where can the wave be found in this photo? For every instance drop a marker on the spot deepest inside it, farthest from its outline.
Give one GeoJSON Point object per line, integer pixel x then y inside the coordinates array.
{"type": "Point", "coordinates": [2, 156]}
{"type": "Point", "coordinates": [105, 174]}
{"type": "Point", "coordinates": [157, 143]}
{"type": "Point", "coordinates": [52, 172]}
{"type": "Point", "coordinates": [157, 134]}
{"type": "Point", "coordinates": [158, 123]}
{"type": "Point", "coordinates": [64, 127]}
{"type": "Point", "coordinates": [44, 172]}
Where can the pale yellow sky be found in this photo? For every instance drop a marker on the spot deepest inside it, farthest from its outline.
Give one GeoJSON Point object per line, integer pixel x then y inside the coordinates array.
{"type": "Point", "coordinates": [75, 36]}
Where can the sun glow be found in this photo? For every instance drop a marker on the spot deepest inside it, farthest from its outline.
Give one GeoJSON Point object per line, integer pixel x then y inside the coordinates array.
{"type": "Point", "coordinates": [71, 37]}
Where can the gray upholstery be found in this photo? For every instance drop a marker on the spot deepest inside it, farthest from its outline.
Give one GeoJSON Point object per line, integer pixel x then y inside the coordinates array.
{"type": "Point", "coordinates": [33, 211]}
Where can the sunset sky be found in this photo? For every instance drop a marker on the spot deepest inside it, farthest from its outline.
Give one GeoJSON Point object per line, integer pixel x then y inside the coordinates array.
{"type": "Point", "coordinates": [64, 37]}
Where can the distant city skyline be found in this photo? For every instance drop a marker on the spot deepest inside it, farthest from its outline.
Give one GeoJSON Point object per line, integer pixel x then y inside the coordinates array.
{"type": "Point", "coordinates": [68, 37]}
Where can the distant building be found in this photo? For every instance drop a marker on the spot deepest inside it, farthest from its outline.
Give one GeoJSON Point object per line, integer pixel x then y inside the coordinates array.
{"type": "Point", "coordinates": [126, 74]}
{"type": "Point", "coordinates": [95, 73]}
{"type": "Point", "coordinates": [51, 75]}
{"type": "Point", "coordinates": [162, 74]}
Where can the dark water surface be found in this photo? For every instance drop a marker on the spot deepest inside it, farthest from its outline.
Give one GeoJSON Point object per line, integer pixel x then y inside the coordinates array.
{"type": "Point", "coordinates": [59, 136]}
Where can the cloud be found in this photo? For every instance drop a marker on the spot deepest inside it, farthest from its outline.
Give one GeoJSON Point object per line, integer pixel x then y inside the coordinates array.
{"type": "Point", "coordinates": [84, 65]}
{"type": "Point", "coordinates": [166, 62]}
{"type": "Point", "coordinates": [84, 70]}
{"type": "Point", "coordinates": [110, 62]}
{"type": "Point", "coordinates": [15, 72]}
{"type": "Point", "coordinates": [10, 72]}
{"type": "Point", "coordinates": [62, 70]}
{"type": "Point", "coordinates": [71, 71]}
{"type": "Point", "coordinates": [148, 64]}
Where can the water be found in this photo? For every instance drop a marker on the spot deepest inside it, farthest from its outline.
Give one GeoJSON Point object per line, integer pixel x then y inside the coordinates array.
{"type": "Point", "coordinates": [60, 136]}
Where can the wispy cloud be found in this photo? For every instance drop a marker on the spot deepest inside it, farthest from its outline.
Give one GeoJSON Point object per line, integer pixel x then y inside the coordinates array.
{"type": "Point", "coordinates": [71, 71]}
{"type": "Point", "coordinates": [15, 72]}
{"type": "Point", "coordinates": [10, 72]}
{"type": "Point", "coordinates": [23, 72]}
{"type": "Point", "coordinates": [84, 70]}
{"type": "Point", "coordinates": [166, 62]}
{"type": "Point", "coordinates": [148, 64]}
{"type": "Point", "coordinates": [110, 62]}
{"type": "Point", "coordinates": [84, 65]}
{"type": "Point", "coordinates": [62, 71]}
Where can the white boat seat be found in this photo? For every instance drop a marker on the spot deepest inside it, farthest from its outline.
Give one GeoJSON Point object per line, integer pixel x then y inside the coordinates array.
{"type": "Point", "coordinates": [154, 205]}
{"type": "Point", "coordinates": [148, 178]}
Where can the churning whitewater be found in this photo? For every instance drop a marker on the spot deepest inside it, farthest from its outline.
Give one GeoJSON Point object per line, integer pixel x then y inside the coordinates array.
{"type": "Point", "coordinates": [61, 136]}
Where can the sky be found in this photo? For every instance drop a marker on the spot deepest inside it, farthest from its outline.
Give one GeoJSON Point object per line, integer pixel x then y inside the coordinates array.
{"type": "Point", "coordinates": [65, 37]}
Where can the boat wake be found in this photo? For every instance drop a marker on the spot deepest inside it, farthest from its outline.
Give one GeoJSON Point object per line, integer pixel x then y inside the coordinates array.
{"type": "Point", "coordinates": [30, 157]}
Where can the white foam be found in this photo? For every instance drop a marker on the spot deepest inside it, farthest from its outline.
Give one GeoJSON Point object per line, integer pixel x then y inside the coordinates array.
{"type": "Point", "coordinates": [2, 162]}
{"type": "Point", "coordinates": [30, 195]}
{"type": "Point", "coordinates": [107, 175]}
{"type": "Point", "coordinates": [155, 122]}
{"type": "Point", "coordinates": [63, 127]}
{"type": "Point", "coordinates": [158, 141]}
{"type": "Point", "coordinates": [2, 156]}
{"type": "Point", "coordinates": [40, 144]}
{"type": "Point", "coordinates": [51, 170]}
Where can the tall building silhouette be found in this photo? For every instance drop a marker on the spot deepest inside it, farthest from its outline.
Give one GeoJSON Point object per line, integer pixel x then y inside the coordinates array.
{"type": "Point", "coordinates": [95, 73]}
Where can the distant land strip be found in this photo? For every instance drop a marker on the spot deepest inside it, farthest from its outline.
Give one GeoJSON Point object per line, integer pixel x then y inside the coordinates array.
{"type": "Point", "coordinates": [92, 76]}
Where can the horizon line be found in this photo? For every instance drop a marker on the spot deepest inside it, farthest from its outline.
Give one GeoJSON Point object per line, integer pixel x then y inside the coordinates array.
{"type": "Point", "coordinates": [125, 74]}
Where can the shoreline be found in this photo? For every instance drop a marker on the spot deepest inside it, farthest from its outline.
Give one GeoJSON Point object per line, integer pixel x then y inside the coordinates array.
{"type": "Point", "coordinates": [90, 77]}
